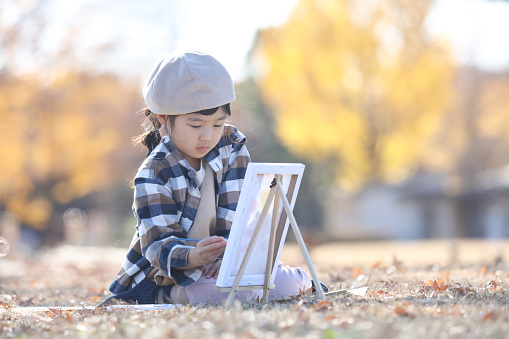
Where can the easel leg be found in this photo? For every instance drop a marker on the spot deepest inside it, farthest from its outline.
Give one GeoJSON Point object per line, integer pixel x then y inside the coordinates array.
{"type": "Point", "coordinates": [300, 241]}
{"type": "Point", "coordinates": [272, 239]}
{"type": "Point", "coordinates": [250, 247]}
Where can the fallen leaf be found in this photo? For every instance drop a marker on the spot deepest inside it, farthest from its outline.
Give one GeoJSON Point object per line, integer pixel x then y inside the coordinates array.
{"type": "Point", "coordinates": [401, 311]}
{"type": "Point", "coordinates": [441, 285]}
{"type": "Point", "coordinates": [309, 291]}
{"type": "Point", "coordinates": [491, 284]}
{"type": "Point", "coordinates": [436, 285]}
{"type": "Point", "coordinates": [56, 311]}
{"type": "Point", "coordinates": [484, 268]}
{"type": "Point", "coordinates": [324, 304]}
{"type": "Point", "coordinates": [95, 298]}
{"type": "Point", "coordinates": [330, 317]}
{"type": "Point", "coordinates": [463, 289]}
{"type": "Point", "coordinates": [460, 289]}
{"type": "Point", "coordinates": [488, 316]}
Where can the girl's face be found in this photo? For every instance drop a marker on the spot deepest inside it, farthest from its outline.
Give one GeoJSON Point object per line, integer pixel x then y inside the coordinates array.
{"type": "Point", "coordinates": [194, 134]}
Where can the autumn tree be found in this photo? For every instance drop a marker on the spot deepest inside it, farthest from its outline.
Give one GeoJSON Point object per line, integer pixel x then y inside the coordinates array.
{"type": "Point", "coordinates": [357, 86]}
{"type": "Point", "coordinates": [64, 133]}
{"type": "Point", "coordinates": [472, 146]}
{"type": "Point", "coordinates": [61, 141]}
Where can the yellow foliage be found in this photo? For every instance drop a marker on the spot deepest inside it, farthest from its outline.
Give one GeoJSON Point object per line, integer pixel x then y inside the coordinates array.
{"type": "Point", "coordinates": [361, 84]}
{"type": "Point", "coordinates": [60, 141]}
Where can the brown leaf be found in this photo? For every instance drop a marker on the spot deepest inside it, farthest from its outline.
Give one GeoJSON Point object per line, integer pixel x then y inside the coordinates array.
{"type": "Point", "coordinates": [324, 304]}
{"type": "Point", "coordinates": [330, 317]}
{"type": "Point", "coordinates": [401, 311]}
{"type": "Point", "coordinates": [305, 292]}
{"type": "Point", "coordinates": [56, 311]}
{"type": "Point", "coordinates": [488, 316]}
{"type": "Point", "coordinates": [95, 298]}
{"type": "Point", "coordinates": [491, 284]}
{"type": "Point", "coordinates": [440, 285]}
{"type": "Point", "coordinates": [484, 268]}
{"type": "Point", "coordinates": [460, 289]}
{"type": "Point", "coordinates": [435, 285]}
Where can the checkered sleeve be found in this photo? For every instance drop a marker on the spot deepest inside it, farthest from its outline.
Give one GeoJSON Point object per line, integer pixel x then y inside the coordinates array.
{"type": "Point", "coordinates": [157, 214]}
{"type": "Point", "coordinates": [233, 178]}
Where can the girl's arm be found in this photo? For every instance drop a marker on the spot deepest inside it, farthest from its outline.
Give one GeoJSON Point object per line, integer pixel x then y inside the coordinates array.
{"type": "Point", "coordinates": [157, 227]}
{"type": "Point", "coordinates": [206, 252]}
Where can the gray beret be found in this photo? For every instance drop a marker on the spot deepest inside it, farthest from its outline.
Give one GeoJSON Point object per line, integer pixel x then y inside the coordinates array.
{"type": "Point", "coordinates": [187, 82]}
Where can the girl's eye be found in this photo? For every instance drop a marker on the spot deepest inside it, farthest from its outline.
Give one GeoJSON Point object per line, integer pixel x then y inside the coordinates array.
{"type": "Point", "coordinates": [193, 126]}
{"type": "Point", "coordinates": [218, 125]}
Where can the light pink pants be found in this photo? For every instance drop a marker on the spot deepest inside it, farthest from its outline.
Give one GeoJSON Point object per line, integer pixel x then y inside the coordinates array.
{"type": "Point", "coordinates": [289, 281]}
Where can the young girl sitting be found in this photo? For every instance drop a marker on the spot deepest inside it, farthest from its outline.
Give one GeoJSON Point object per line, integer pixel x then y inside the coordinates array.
{"type": "Point", "coordinates": [188, 187]}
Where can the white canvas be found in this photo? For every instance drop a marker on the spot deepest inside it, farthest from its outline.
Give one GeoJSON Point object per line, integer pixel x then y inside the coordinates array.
{"type": "Point", "coordinates": [252, 198]}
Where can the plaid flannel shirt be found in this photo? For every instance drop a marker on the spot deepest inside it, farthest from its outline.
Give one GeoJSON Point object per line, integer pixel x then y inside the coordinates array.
{"type": "Point", "coordinates": [166, 198]}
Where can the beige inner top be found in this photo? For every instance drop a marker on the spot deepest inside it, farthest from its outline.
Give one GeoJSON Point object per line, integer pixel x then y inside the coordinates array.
{"type": "Point", "coordinates": [204, 226]}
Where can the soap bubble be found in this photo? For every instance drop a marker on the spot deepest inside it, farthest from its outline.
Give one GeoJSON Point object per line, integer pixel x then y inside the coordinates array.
{"type": "Point", "coordinates": [75, 218]}
{"type": "Point", "coordinates": [4, 247]}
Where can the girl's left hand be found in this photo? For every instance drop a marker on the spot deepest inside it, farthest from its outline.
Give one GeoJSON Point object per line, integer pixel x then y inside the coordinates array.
{"type": "Point", "coordinates": [212, 269]}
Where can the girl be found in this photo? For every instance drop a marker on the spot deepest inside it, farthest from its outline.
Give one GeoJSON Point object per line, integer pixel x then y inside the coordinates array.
{"type": "Point", "coordinates": [188, 187]}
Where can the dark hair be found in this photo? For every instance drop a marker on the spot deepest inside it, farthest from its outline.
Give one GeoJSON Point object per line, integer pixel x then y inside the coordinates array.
{"type": "Point", "coordinates": [152, 137]}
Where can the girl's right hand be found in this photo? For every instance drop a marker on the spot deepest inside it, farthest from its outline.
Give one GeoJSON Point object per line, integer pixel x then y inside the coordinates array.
{"type": "Point", "coordinates": [206, 251]}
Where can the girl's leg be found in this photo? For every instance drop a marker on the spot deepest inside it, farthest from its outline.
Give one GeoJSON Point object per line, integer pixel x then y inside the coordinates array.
{"type": "Point", "coordinates": [202, 291]}
{"type": "Point", "coordinates": [146, 292]}
{"type": "Point", "coordinates": [289, 281]}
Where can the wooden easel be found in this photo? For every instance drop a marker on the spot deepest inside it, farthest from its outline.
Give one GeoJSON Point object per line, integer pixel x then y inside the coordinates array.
{"type": "Point", "coordinates": [277, 194]}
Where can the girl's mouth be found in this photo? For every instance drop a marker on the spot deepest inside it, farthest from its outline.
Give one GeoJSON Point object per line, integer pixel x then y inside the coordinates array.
{"type": "Point", "coordinates": [202, 149]}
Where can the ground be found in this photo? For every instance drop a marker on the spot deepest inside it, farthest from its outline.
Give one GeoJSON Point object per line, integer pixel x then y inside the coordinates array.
{"type": "Point", "coordinates": [421, 289]}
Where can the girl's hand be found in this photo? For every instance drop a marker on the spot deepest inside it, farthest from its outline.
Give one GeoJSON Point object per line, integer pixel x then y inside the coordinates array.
{"type": "Point", "coordinates": [206, 251]}
{"type": "Point", "coordinates": [212, 270]}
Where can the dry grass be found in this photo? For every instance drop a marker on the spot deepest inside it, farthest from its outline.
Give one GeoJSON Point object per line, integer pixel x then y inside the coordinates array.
{"type": "Point", "coordinates": [414, 291]}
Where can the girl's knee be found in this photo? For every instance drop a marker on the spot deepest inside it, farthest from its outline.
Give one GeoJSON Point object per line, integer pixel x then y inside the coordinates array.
{"type": "Point", "coordinates": [289, 281]}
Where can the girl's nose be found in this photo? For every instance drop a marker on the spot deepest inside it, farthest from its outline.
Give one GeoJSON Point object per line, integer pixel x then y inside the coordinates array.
{"type": "Point", "coordinates": [206, 135]}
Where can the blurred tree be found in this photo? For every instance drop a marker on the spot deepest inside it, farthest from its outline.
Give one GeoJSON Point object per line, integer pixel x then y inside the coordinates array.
{"type": "Point", "coordinates": [64, 133]}
{"type": "Point", "coordinates": [471, 140]}
{"type": "Point", "coordinates": [358, 87]}
{"type": "Point", "coordinates": [61, 141]}
{"type": "Point", "coordinates": [255, 120]}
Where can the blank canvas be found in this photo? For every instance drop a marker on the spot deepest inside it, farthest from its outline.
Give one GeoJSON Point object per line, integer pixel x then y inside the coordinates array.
{"type": "Point", "coordinates": [254, 192]}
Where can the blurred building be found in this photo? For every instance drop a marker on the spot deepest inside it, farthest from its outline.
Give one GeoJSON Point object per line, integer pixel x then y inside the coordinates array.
{"type": "Point", "coordinates": [423, 207]}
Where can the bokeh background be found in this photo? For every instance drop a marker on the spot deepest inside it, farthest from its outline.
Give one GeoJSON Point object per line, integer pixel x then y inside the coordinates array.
{"type": "Point", "coordinates": [398, 108]}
